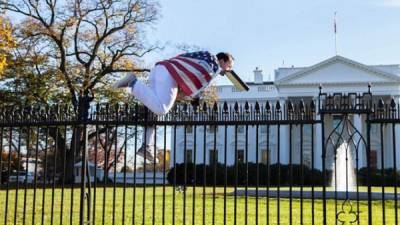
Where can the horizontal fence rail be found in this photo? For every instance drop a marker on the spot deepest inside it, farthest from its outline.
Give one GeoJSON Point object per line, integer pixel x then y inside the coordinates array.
{"type": "Point", "coordinates": [328, 160]}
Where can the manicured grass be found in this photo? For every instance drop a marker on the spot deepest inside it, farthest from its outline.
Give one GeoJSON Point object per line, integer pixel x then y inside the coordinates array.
{"type": "Point", "coordinates": [34, 209]}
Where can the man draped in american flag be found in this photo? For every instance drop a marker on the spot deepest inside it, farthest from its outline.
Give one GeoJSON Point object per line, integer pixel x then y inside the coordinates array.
{"type": "Point", "coordinates": [184, 75]}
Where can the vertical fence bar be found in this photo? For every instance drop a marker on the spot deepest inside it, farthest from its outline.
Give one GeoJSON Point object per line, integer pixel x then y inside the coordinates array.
{"type": "Point", "coordinates": [290, 175]}
{"type": "Point", "coordinates": [75, 137]}
{"type": "Point", "coordinates": [144, 171]}
{"type": "Point", "coordinates": [278, 208]}
{"type": "Point", "coordinates": [134, 173]}
{"type": "Point", "coordinates": [324, 172]}
{"type": "Point", "coordinates": [155, 158]}
{"type": "Point", "coordinates": [26, 173]}
{"type": "Point", "coordinates": [268, 174]}
{"type": "Point", "coordinates": [174, 181]}
{"type": "Point", "coordinates": [105, 169]}
{"type": "Point", "coordinates": [96, 140]}
{"type": "Point", "coordinates": [301, 174]}
{"type": "Point", "coordinates": [115, 161]}
{"type": "Point", "coordinates": [35, 175]}
{"type": "Point", "coordinates": [369, 169]}
{"type": "Point", "coordinates": [63, 174]}
{"type": "Point", "coordinates": [395, 171]}
{"type": "Point", "coordinates": [236, 175]}
{"type": "Point", "coordinates": [8, 174]}
{"type": "Point", "coordinates": [164, 171]}
{"type": "Point", "coordinates": [125, 146]}
{"type": "Point", "coordinates": [225, 168]}
{"type": "Point", "coordinates": [312, 176]}
{"type": "Point", "coordinates": [194, 174]}
{"type": "Point", "coordinates": [184, 173]}
{"type": "Point", "coordinates": [83, 173]}
{"type": "Point", "coordinates": [247, 175]}
{"type": "Point", "coordinates": [257, 174]}
{"type": "Point", "coordinates": [204, 172]}
{"type": "Point", "coordinates": [383, 174]}
{"type": "Point", "coordinates": [55, 154]}
{"type": "Point", "coordinates": [215, 156]}
{"type": "Point", "coordinates": [44, 175]}
{"type": "Point", "coordinates": [18, 170]}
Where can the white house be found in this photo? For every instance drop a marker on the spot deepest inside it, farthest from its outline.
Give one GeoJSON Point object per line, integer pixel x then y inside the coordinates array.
{"type": "Point", "coordinates": [336, 74]}
{"type": "Point", "coordinates": [120, 177]}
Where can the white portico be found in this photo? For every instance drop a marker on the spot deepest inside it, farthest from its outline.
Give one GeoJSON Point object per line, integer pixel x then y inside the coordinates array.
{"type": "Point", "coordinates": [336, 74]}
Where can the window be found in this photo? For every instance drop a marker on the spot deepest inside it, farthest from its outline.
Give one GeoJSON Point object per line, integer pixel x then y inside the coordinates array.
{"type": "Point", "coordinates": [263, 129]}
{"type": "Point", "coordinates": [189, 129]}
{"type": "Point", "coordinates": [213, 153]}
{"type": "Point", "coordinates": [240, 129]}
{"type": "Point", "coordinates": [373, 159]}
{"type": "Point", "coordinates": [265, 156]}
{"type": "Point", "coordinates": [189, 156]}
{"type": "Point", "coordinates": [212, 128]}
{"type": "Point", "coordinates": [262, 88]}
{"type": "Point", "coordinates": [240, 156]}
{"type": "Point", "coordinates": [234, 89]}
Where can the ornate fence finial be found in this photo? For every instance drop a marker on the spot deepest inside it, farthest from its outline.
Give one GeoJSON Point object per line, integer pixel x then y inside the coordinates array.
{"type": "Point", "coordinates": [225, 108]}
{"type": "Point", "coordinates": [236, 107]}
{"type": "Point", "coordinates": [268, 107]}
{"type": "Point", "coordinates": [257, 108]}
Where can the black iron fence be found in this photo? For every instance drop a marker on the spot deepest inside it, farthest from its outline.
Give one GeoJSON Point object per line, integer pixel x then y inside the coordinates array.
{"type": "Point", "coordinates": [329, 160]}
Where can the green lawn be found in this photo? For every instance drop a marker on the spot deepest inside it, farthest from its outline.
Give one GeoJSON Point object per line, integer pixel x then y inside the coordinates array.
{"type": "Point", "coordinates": [148, 212]}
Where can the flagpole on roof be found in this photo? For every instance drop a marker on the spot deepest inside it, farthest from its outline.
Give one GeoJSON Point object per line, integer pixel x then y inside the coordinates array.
{"type": "Point", "coordinates": [335, 30]}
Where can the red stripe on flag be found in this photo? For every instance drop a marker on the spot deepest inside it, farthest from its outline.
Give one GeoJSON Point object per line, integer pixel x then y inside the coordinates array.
{"type": "Point", "coordinates": [191, 76]}
{"type": "Point", "coordinates": [198, 67]}
{"type": "Point", "coordinates": [176, 76]}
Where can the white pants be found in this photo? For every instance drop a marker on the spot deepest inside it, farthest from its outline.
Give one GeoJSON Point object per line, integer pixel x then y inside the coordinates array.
{"type": "Point", "coordinates": [158, 97]}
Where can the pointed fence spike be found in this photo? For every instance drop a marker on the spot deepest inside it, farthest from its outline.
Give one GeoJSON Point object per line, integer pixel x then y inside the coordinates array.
{"type": "Point", "coordinates": [215, 107]}
{"type": "Point", "coordinates": [205, 107]}
{"type": "Point", "coordinates": [268, 106]}
{"type": "Point", "coordinates": [381, 104]}
{"type": "Point", "coordinates": [301, 106]}
{"type": "Point", "coordinates": [246, 107]}
{"type": "Point", "coordinates": [236, 107]}
{"type": "Point", "coordinates": [278, 106]}
{"type": "Point", "coordinates": [257, 107]}
{"type": "Point", "coordinates": [290, 106]}
{"type": "Point", "coordinates": [392, 103]}
{"type": "Point", "coordinates": [225, 108]}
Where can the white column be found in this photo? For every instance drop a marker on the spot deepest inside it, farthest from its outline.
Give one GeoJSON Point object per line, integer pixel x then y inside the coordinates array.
{"type": "Point", "coordinates": [358, 124]}
{"type": "Point", "coordinates": [284, 138]}
{"type": "Point", "coordinates": [397, 137]}
{"type": "Point", "coordinates": [317, 140]}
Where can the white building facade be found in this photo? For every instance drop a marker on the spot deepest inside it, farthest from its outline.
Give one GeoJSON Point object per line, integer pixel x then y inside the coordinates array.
{"type": "Point", "coordinates": [336, 74]}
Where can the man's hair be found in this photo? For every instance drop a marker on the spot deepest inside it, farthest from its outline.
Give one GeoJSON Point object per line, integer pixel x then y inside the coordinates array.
{"type": "Point", "coordinates": [224, 56]}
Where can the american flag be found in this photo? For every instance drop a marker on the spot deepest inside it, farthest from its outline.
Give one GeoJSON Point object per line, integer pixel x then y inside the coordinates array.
{"type": "Point", "coordinates": [192, 71]}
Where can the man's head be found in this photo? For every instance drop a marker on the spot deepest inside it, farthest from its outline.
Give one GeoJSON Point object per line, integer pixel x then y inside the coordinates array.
{"type": "Point", "coordinates": [225, 61]}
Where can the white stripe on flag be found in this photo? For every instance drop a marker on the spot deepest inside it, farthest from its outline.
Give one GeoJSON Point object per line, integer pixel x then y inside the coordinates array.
{"type": "Point", "coordinates": [204, 65]}
{"type": "Point", "coordinates": [185, 79]}
{"type": "Point", "coordinates": [197, 73]}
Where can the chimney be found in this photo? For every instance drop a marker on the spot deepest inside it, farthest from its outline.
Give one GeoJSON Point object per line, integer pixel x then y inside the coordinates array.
{"type": "Point", "coordinates": [258, 77]}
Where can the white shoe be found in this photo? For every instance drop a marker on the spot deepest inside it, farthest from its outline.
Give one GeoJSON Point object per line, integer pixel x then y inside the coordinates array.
{"type": "Point", "coordinates": [124, 82]}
